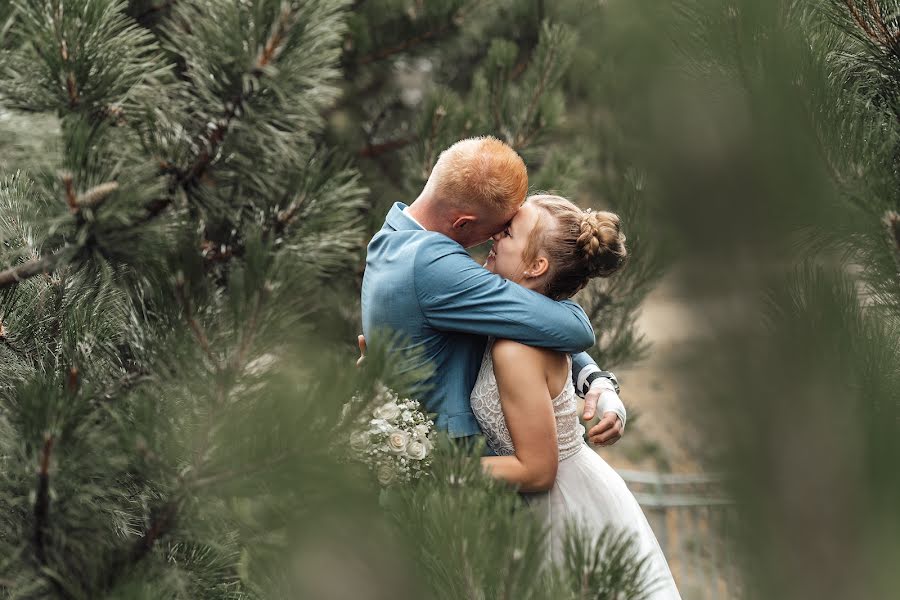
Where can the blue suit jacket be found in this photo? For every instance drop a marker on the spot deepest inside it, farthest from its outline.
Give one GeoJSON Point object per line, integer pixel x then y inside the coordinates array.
{"type": "Point", "coordinates": [426, 287]}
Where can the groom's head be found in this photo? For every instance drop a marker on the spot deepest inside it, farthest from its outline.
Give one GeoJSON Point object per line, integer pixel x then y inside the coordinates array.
{"type": "Point", "coordinates": [475, 189]}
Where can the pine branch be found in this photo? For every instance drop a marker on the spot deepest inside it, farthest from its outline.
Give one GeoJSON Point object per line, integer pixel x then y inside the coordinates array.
{"type": "Point", "coordinates": [286, 216]}
{"type": "Point", "coordinates": [495, 111]}
{"type": "Point", "coordinates": [161, 523]}
{"type": "Point", "coordinates": [93, 197]}
{"type": "Point", "coordinates": [26, 270]}
{"type": "Point", "coordinates": [879, 21]}
{"type": "Point", "coordinates": [71, 196]}
{"type": "Point", "coordinates": [152, 210]}
{"type": "Point", "coordinates": [145, 17]}
{"type": "Point", "coordinates": [190, 177]}
{"type": "Point", "coordinates": [194, 324]}
{"type": "Point", "coordinates": [408, 44]}
{"type": "Point", "coordinates": [373, 150]}
{"type": "Point", "coordinates": [892, 222]}
{"type": "Point", "coordinates": [883, 36]}
{"type": "Point", "coordinates": [124, 384]}
{"type": "Point", "coordinates": [433, 34]}
{"type": "Point", "coordinates": [42, 501]}
{"type": "Point", "coordinates": [276, 40]}
{"type": "Point", "coordinates": [4, 337]}
{"type": "Point", "coordinates": [71, 84]}
{"type": "Point", "coordinates": [372, 130]}
{"type": "Point", "coordinates": [249, 331]}
{"type": "Point", "coordinates": [439, 113]}
{"type": "Point", "coordinates": [523, 141]}
{"type": "Point", "coordinates": [854, 12]}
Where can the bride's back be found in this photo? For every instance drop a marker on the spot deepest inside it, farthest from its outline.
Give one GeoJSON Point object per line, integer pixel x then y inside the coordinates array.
{"type": "Point", "coordinates": [486, 404]}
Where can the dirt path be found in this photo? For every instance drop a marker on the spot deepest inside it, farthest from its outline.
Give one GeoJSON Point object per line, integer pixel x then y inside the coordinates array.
{"type": "Point", "coordinates": [661, 435]}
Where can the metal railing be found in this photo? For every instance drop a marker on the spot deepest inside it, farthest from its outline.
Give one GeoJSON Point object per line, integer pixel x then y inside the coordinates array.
{"type": "Point", "coordinates": [692, 520]}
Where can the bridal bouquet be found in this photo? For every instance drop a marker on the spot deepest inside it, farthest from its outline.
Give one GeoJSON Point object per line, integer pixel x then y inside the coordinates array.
{"type": "Point", "coordinates": [395, 439]}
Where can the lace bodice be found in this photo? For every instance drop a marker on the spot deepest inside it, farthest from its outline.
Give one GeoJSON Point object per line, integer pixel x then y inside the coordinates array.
{"type": "Point", "coordinates": [485, 400]}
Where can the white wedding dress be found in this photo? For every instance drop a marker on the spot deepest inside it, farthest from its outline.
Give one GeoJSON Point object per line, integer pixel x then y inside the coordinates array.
{"type": "Point", "coordinates": [586, 488]}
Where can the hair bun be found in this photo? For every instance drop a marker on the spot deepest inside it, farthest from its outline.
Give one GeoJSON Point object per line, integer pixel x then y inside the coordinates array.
{"type": "Point", "coordinates": [601, 243]}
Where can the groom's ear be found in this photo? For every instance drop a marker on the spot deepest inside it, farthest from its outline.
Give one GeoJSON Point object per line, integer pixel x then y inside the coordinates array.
{"type": "Point", "coordinates": [462, 222]}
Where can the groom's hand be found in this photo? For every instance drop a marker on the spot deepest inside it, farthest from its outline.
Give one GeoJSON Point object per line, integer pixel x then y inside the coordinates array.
{"type": "Point", "coordinates": [611, 426]}
{"type": "Point", "coordinates": [607, 431]}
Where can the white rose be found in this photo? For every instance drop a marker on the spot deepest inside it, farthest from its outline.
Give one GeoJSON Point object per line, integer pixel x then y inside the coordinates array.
{"type": "Point", "coordinates": [359, 441]}
{"type": "Point", "coordinates": [386, 474]}
{"type": "Point", "coordinates": [416, 450]}
{"type": "Point", "coordinates": [397, 441]}
{"type": "Point", "coordinates": [388, 412]}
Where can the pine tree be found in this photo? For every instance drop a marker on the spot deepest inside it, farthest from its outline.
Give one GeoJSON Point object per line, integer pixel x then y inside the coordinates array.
{"type": "Point", "coordinates": [182, 224]}
{"type": "Point", "coordinates": [769, 132]}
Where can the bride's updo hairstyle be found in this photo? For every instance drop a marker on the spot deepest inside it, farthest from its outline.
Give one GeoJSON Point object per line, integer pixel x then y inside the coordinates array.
{"type": "Point", "coordinates": [579, 244]}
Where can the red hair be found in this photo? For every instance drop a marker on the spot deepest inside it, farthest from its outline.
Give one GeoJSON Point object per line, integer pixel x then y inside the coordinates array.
{"type": "Point", "coordinates": [480, 172]}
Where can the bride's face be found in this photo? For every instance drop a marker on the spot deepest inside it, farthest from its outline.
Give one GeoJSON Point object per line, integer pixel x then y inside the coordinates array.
{"type": "Point", "coordinates": [506, 256]}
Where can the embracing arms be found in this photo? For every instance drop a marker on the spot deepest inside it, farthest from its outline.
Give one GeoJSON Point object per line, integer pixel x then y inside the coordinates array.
{"type": "Point", "coordinates": [457, 294]}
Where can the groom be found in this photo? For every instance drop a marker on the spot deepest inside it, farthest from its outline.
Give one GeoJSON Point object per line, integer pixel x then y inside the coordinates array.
{"type": "Point", "coordinates": [420, 282]}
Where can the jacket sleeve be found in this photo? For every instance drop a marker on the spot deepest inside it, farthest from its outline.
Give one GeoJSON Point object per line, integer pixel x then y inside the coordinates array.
{"type": "Point", "coordinates": [457, 294]}
{"type": "Point", "coordinates": [582, 366]}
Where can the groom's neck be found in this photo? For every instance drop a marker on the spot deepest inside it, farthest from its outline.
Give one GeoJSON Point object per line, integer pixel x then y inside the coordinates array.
{"type": "Point", "coordinates": [423, 211]}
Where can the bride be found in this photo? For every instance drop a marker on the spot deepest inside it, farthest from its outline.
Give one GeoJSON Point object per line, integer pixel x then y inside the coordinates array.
{"type": "Point", "coordinates": [524, 399]}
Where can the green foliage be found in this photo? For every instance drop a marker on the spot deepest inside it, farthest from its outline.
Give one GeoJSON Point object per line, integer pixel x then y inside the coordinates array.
{"type": "Point", "coordinates": [476, 509]}
{"type": "Point", "coordinates": [604, 567]}
{"type": "Point", "coordinates": [186, 191]}
{"type": "Point", "coordinates": [82, 56]}
{"type": "Point", "coordinates": [769, 136]}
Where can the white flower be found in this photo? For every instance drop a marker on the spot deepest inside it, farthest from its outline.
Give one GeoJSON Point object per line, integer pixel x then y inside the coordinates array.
{"type": "Point", "coordinates": [380, 426]}
{"type": "Point", "coordinates": [386, 473]}
{"type": "Point", "coordinates": [388, 412]}
{"type": "Point", "coordinates": [416, 450]}
{"type": "Point", "coordinates": [397, 441]}
{"type": "Point", "coordinates": [359, 441]}
{"type": "Point", "coordinates": [421, 430]}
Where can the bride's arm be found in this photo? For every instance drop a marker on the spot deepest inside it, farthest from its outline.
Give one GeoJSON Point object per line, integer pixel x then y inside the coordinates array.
{"type": "Point", "coordinates": [528, 409]}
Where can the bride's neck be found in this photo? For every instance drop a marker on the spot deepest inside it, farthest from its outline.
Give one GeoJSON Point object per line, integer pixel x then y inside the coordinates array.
{"type": "Point", "coordinates": [535, 284]}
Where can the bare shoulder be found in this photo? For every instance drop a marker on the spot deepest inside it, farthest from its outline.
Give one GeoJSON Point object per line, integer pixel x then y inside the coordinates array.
{"type": "Point", "coordinates": [506, 349]}
{"type": "Point", "coordinates": [518, 364]}
{"type": "Point", "coordinates": [509, 353]}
